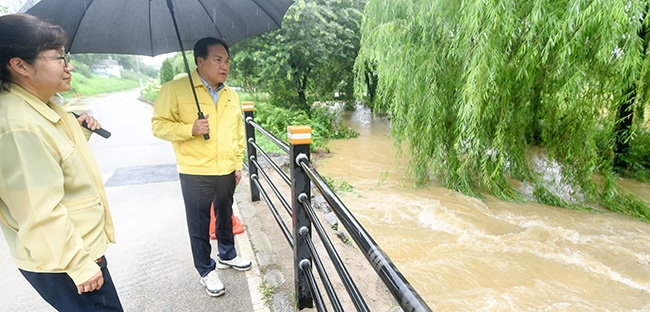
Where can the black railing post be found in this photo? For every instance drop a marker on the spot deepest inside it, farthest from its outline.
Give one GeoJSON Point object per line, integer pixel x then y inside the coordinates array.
{"type": "Point", "coordinates": [299, 138]}
{"type": "Point", "coordinates": [252, 152]}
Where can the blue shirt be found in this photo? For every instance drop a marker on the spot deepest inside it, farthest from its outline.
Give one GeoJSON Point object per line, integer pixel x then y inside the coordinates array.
{"type": "Point", "coordinates": [213, 92]}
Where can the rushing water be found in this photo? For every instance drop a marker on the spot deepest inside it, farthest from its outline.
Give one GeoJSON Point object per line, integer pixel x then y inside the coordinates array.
{"type": "Point", "coordinates": [467, 254]}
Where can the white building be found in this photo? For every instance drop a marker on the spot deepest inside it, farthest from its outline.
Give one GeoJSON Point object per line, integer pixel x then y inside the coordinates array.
{"type": "Point", "coordinates": [107, 68]}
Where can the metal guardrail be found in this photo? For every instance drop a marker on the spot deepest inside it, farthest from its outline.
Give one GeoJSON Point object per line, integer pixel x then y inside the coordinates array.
{"type": "Point", "coordinates": [305, 222]}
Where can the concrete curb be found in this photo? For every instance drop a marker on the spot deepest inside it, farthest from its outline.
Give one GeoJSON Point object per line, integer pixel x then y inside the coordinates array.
{"type": "Point", "coordinates": [253, 276]}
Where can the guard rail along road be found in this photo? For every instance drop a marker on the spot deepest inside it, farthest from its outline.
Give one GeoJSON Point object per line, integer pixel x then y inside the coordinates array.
{"type": "Point", "coordinates": [305, 222]}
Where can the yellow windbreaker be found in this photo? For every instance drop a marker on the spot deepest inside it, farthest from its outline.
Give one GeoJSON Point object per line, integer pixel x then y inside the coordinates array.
{"type": "Point", "coordinates": [53, 209]}
{"type": "Point", "coordinates": [174, 115]}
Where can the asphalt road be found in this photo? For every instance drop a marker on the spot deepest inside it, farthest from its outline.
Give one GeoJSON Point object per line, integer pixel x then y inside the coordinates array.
{"type": "Point", "coordinates": [151, 263]}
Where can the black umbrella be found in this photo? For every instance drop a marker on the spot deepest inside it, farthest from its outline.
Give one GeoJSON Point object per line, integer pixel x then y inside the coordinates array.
{"type": "Point", "coordinates": [153, 27]}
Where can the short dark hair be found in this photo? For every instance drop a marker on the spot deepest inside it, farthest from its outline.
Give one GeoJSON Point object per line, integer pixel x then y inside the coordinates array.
{"type": "Point", "coordinates": [201, 47]}
{"type": "Point", "coordinates": [25, 36]}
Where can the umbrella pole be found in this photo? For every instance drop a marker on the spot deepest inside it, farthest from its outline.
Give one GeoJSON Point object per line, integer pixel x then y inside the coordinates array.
{"type": "Point", "coordinates": [187, 66]}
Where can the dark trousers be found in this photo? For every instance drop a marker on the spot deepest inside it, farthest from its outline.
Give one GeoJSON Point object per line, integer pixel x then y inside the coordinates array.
{"type": "Point", "coordinates": [199, 193]}
{"type": "Point", "coordinates": [60, 292]}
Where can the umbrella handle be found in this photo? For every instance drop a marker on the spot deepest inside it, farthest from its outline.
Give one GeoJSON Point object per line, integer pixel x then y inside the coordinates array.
{"type": "Point", "coordinates": [207, 135]}
{"type": "Point", "coordinates": [170, 6]}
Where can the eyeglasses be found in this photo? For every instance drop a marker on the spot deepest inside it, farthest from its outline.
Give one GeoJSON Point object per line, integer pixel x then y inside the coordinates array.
{"type": "Point", "coordinates": [65, 58]}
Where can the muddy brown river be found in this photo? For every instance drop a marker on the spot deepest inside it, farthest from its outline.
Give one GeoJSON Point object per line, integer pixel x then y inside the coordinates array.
{"type": "Point", "coordinates": [466, 254]}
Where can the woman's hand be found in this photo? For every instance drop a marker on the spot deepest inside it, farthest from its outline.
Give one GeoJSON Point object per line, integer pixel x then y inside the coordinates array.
{"type": "Point", "coordinates": [94, 283]}
{"type": "Point", "coordinates": [91, 122]}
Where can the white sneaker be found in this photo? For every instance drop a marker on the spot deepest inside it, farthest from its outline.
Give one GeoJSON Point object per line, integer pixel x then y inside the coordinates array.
{"type": "Point", "coordinates": [237, 263]}
{"type": "Point", "coordinates": [212, 284]}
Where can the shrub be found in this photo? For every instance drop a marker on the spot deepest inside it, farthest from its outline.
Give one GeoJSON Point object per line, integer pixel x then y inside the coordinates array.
{"type": "Point", "coordinates": [150, 91]}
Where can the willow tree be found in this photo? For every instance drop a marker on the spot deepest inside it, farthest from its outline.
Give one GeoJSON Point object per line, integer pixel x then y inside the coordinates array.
{"type": "Point", "coordinates": [490, 95]}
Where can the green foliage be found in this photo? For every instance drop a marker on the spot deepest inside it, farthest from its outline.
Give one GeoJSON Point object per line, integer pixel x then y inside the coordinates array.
{"type": "Point", "coordinates": [179, 62]}
{"type": "Point", "coordinates": [253, 96]}
{"type": "Point", "coordinates": [85, 83]}
{"type": "Point", "coordinates": [166, 71]}
{"type": "Point", "coordinates": [473, 87]}
{"type": "Point", "coordinates": [349, 106]}
{"type": "Point", "coordinates": [345, 186]}
{"type": "Point", "coordinates": [275, 119]}
{"type": "Point", "coordinates": [639, 156]}
{"type": "Point", "coordinates": [82, 68]}
{"type": "Point", "coordinates": [175, 65]}
{"type": "Point", "coordinates": [128, 62]}
{"type": "Point", "coordinates": [267, 290]}
{"type": "Point", "coordinates": [84, 86]}
{"type": "Point", "coordinates": [131, 75]}
{"type": "Point", "coordinates": [83, 63]}
{"type": "Point", "coordinates": [150, 90]}
{"type": "Point", "coordinates": [324, 122]}
{"type": "Point", "coordinates": [616, 199]}
{"type": "Point", "coordinates": [339, 186]}
{"type": "Point", "coordinates": [329, 181]}
{"type": "Point", "coordinates": [88, 58]}
{"type": "Point", "coordinates": [309, 59]}
{"type": "Point", "coordinates": [382, 177]}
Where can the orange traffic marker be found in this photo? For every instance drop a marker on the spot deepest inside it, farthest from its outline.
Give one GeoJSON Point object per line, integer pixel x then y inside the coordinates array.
{"type": "Point", "coordinates": [237, 226]}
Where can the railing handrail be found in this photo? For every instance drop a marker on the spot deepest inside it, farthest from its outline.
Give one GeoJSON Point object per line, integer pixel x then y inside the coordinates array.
{"type": "Point", "coordinates": [397, 284]}
{"type": "Point", "coordinates": [303, 216]}
{"type": "Point", "coordinates": [283, 146]}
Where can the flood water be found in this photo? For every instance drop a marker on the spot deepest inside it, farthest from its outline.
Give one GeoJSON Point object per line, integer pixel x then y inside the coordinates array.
{"type": "Point", "coordinates": [467, 254]}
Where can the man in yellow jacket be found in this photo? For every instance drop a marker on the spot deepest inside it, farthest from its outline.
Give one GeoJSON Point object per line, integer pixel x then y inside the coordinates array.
{"type": "Point", "coordinates": [209, 169]}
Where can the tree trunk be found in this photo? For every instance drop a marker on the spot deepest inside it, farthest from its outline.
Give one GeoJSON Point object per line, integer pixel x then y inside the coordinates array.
{"type": "Point", "coordinates": [624, 117]}
{"type": "Point", "coordinates": [535, 135]}
{"type": "Point", "coordinates": [301, 88]}
{"type": "Point", "coordinates": [371, 82]}
{"type": "Point", "coordinates": [626, 110]}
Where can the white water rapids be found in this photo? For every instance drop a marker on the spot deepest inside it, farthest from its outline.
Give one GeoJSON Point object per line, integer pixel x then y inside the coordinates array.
{"type": "Point", "coordinates": [466, 254]}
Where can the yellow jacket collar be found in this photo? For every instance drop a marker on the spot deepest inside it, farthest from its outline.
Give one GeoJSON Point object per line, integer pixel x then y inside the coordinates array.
{"type": "Point", "coordinates": [42, 108]}
{"type": "Point", "coordinates": [198, 81]}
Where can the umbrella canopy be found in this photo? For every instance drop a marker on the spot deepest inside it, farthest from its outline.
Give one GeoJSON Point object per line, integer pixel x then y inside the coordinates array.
{"type": "Point", "coordinates": [145, 27]}
{"type": "Point", "coordinates": [152, 27]}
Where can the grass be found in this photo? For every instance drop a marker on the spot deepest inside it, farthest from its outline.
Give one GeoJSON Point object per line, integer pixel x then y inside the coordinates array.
{"type": "Point", "coordinates": [267, 290]}
{"type": "Point", "coordinates": [382, 177]}
{"type": "Point", "coordinates": [84, 86]}
{"type": "Point", "coordinates": [254, 96]}
{"type": "Point", "coordinates": [339, 186]}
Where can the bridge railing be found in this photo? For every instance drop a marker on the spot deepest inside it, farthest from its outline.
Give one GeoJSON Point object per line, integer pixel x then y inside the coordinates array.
{"type": "Point", "coordinates": [304, 222]}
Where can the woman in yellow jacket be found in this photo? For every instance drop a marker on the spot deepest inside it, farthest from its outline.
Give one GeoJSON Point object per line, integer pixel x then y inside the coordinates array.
{"type": "Point", "coordinates": [53, 209]}
{"type": "Point", "coordinates": [209, 169]}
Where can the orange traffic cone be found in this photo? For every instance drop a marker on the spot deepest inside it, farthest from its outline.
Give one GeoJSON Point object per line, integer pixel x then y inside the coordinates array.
{"type": "Point", "coordinates": [237, 226]}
